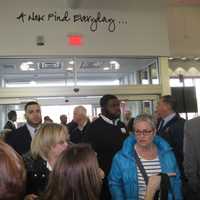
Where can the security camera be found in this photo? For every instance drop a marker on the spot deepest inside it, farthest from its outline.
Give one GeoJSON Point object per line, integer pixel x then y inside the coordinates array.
{"type": "Point", "coordinates": [76, 90]}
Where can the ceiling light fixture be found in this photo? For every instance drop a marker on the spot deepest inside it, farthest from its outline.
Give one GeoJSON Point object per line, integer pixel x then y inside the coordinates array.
{"type": "Point", "coordinates": [197, 58]}
{"type": "Point", "coordinates": [184, 58]}
{"type": "Point", "coordinates": [114, 64]}
{"type": "Point", "coordinates": [70, 68]}
{"type": "Point", "coordinates": [170, 58]}
{"type": "Point", "coordinates": [106, 68]}
{"type": "Point", "coordinates": [71, 62]}
{"type": "Point", "coordinates": [33, 83]}
{"type": "Point", "coordinates": [25, 66]}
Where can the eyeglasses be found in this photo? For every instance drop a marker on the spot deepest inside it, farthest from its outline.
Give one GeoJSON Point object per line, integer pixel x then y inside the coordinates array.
{"type": "Point", "coordinates": [144, 132]}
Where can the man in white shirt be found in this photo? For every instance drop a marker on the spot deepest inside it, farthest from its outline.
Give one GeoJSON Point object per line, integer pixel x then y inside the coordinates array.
{"type": "Point", "coordinates": [20, 139]}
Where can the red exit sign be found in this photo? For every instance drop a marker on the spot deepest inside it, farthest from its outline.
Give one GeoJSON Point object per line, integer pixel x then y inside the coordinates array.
{"type": "Point", "coordinates": [75, 40]}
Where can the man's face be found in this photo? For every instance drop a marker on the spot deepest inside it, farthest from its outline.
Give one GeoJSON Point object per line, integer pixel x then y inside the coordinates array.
{"type": "Point", "coordinates": [78, 116]}
{"type": "Point", "coordinates": [112, 108]}
{"type": "Point", "coordinates": [162, 108]}
{"type": "Point", "coordinates": [14, 118]}
{"type": "Point", "coordinates": [64, 119]}
{"type": "Point", "coordinates": [33, 115]}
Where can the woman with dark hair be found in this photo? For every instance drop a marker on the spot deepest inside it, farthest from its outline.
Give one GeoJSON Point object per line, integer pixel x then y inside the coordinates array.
{"type": "Point", "coordinates": [12, 174]}
{"type": "Point", "coordinates": [76, 175]}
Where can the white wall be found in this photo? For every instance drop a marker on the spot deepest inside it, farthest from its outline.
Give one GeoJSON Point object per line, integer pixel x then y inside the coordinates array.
{"type": "Point", "coordinates": [144, 34]}
{"type": "Point", "coordinates": [184, 30]}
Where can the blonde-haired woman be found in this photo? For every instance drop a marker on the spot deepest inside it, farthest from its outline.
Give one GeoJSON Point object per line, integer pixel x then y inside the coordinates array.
{"type": "Point", "coordinates": [50, 140]}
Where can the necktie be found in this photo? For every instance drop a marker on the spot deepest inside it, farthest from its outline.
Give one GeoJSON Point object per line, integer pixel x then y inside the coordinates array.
{"type": "Point", "coordinates": [35, 131]}
{"type": "Point", "coordinates": [161, 125]}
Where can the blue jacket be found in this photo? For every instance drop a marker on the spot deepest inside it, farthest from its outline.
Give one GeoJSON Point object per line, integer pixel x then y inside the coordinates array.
{"type": "Point", "coordinates": [123, 181]}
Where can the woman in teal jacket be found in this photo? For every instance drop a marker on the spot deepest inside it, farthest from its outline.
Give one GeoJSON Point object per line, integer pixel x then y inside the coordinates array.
{"type": "Point", "coordinates": [123, 178]}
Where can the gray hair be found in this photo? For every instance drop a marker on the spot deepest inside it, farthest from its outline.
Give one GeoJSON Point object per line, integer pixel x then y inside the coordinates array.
{"type": "Point", "coordinates": [81, 110]}
{"type": "Point", "coordinates": [145, 118]}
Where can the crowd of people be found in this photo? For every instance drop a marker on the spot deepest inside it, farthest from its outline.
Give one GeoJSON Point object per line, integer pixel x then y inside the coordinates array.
{"type": "Point", "coordinates": [142, 158]}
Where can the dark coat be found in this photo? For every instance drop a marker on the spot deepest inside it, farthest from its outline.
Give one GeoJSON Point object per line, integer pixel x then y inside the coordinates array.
{"type": "Point", "coordinates": [192, 157]}
{"type": "Point", "coordinates": [173, 133]}
{"type": "Point", "coordinates": [10, 125]}
{"type": "Point", "coordinates": [20, 139]}
{"type": "Point", "coordinates": [71, 126]}
{"type": "Point", "coordinates": [37, 174]}
{"type": "Point", "coordinates": [77, 135]}
{"type": "Point", "coordinates": [106, 139]}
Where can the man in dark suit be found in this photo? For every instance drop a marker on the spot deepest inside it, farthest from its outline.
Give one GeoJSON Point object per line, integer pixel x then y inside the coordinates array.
{"type": "Point", "coordinates": [12, 117]}
{"type": "Point", "coordinates": [80, 117]}
{"type": "Point", "coordinates": [171, 127]}
{"type": "Point", "coordinates": [106, 135]}
{"type": "Point", "coordinates": [192, 157]}
{"type": "Point", "coordinates": [20, 139]}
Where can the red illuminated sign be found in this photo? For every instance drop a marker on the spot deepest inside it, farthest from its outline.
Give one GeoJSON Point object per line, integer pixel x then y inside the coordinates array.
{"type": "Point", "coordinates": [75, 40]}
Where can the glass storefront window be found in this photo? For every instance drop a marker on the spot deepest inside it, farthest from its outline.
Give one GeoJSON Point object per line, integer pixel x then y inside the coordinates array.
{"type": "Point", "coordinates": [78, 71]}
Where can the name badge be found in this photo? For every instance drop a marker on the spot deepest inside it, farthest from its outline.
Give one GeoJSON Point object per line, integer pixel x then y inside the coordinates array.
{"type": "Point", "coordinates": [123, 130]}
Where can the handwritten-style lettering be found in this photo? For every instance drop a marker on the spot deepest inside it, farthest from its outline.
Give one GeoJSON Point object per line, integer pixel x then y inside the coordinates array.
{"type": "Point", "coordinates": [36, 17]}
{"type": "Point", "coordinates": [93, 21]}
{"type": "Point", "coordinates": [57, 18]}
{"type": "Point", "coordinates": [21, 17]}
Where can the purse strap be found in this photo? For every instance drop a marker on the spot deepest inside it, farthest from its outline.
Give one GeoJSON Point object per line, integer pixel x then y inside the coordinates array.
{"type": "Point", "coordinates": [141, 167]}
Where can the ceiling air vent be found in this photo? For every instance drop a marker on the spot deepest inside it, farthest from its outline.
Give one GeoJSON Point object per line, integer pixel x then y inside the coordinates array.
{"type": "Point", "coordinates": [9, 67]}
{"type": "Point", "coordinates": [91, 65]}
{"type": "Point", "coordinates": [50, 65]}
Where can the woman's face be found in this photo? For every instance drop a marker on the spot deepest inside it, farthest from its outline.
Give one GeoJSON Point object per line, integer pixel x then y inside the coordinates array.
{"type": "Point", "coordinates": [59, 147]}
{"type": "Point", "coordinates": [144, 133]}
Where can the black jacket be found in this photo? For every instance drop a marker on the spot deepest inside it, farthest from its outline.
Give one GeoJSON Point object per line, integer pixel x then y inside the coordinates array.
{"type": "Point", "coordinates": [173, 133]}
{"type": "Point", "coordinates": [20, 139]}
{"type": "Point", "coordinates": [37, 174]}
{"type": "Point", "coordinates": [77, 135]}
{"type": "Point", "coordinates": [106, 139]}
{"type": "Point", "coordinates": [71, 126]}
{"type": "Point", "coordinates": [10, 125]}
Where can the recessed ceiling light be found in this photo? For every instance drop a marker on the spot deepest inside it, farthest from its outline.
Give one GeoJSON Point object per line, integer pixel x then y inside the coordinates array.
{"type": "Point", "coordinates": [33, 83]}
{"type": "Point", "coordinates": [197, 58]}
{"type": "Point", "coordinates": [71, 62]}
{"type": "Point", "coordinates": [25, 66]}
{"type": "Point", "coordinates": [70, 68]}
{"type": "Point", "coordinates": [106, 68]}
{"type": "Point", "coordinates": [114, 64]}
{"type": "Point", "coordinates": [183, 58]}
{"type": "Point", "coordinates": [170, 58]}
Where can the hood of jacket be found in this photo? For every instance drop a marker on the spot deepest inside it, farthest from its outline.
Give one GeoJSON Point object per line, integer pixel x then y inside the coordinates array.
{"type": "Point", "coordinates": [129, 143]}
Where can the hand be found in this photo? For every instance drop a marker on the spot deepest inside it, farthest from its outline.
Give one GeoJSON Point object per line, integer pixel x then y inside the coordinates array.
{"type": "Point", "coordinates": [154, 185]}
{"type": "Point", "coordinates": [101, 173]}
{"type": "Point", "coordinates": [31, 197]}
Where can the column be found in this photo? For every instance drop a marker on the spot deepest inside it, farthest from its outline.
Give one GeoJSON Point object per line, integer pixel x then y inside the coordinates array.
{"type": "Point", "coordinates": [164, 75]}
